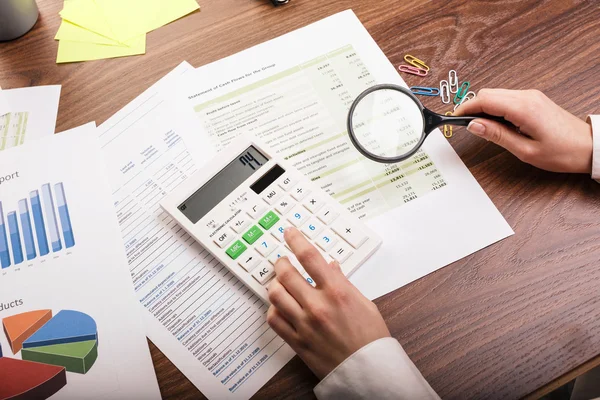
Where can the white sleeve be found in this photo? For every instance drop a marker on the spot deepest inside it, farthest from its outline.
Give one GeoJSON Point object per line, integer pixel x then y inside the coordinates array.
{"type": "Point", "coordinates": [594, 120]}
{"type": "Point", "coordinates": [380, 370]}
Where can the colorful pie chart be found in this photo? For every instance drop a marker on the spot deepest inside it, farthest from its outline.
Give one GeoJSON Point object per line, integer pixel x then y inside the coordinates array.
{"type": "Point", "coordinates": [50, 347]}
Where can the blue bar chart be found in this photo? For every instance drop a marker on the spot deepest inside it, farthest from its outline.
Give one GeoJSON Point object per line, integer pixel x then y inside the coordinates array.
{"type": "Point", "coordinates": [38, 225]}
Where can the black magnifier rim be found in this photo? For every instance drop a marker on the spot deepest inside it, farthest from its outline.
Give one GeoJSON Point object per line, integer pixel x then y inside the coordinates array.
{"type": "Point", "coordinates": [365, 152]}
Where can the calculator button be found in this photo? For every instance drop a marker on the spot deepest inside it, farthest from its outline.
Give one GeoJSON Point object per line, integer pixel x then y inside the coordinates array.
{"type": "Point", "coordinates": [350, 232]}
{"type": "Point", "coordinates": [277, 254]}
{"type": "Point", "coordinates": [223, 239]}
{"type": "Point", "coordinates": [326, 240]}
{"type": "Point", "coordinates": [298, 215]}
{"type": "Point", "coordinates": [313, 203]}
{"type": "Point", "coordinates": [263, 273]}
{"type": "Point", "coordinates": [265, 246]}
{"type": "Point", "coordinates": [341, 252]}
{"type": "Point", "coordinates": [256, 208]}
{"type": "Point", "coordinates": [253, 234]}
{"type": "Point", "coordinates": [272, 194]}
{"type": "Point", "coordinates": [236, 249]}
{"type": "Point", "coordinates": [312, 228]}
{"type": "Point", "coordinates": [269, 220]}
{"type": "Point", "coordinates": [277, 232]}
{"type": "Point", "coordinates": [284, 205]}
{"type": "Point", "coordinates": [300, 191]}
{"type": "Point", "coordinates": [286, 183]}
{"type": "Point", "coordinates": [240, 223]}
{"type": "Point", "coordinates": [249, 260]}
{"type": "Point", "coordinates": [327, 215]}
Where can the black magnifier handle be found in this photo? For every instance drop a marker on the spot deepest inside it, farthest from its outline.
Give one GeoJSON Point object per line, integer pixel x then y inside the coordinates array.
{"type": "Point", "coordinates": [433, 120]}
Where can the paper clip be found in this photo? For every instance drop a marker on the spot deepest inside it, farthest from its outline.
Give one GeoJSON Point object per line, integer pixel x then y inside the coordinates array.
{"type": "Point", "coordinates": [453, 81]}
{"type": "Point", "coordinates": [468, 96]}
{"type": "Point", "coordinates": [414, 61]}
{"type": "Point", "coordinates": [409, 69]}
{"type": "Point", "coordinates": [445, 92]}
{"type": "Point", "coordinates": [462, 92]}
{"type": "Point", "coordinates": [448, 128]}
{"type": "Point", "coordinates": [425, 91]}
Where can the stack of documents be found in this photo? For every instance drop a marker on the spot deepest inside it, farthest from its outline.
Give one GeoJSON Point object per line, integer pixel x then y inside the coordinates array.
{"type": "Point", "coordinates": [96, 29]}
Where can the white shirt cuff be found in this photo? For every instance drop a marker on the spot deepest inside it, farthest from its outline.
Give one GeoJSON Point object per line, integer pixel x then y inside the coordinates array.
{"type": "Point", "coordinates": [594, 120]}
{"type": "Point", "coordinates": [380, 370]}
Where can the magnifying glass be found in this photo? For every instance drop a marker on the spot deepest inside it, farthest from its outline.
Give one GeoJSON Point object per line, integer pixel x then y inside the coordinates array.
{"type": "Point", "coordinates": [388, 124]}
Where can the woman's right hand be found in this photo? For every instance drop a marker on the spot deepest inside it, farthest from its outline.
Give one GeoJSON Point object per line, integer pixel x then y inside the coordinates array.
{"type": "Point", "coordinates": [548, 136]}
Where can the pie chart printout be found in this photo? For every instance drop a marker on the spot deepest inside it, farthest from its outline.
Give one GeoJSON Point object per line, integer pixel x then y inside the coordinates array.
{"type": "Point", "coordinates": [51, 346]}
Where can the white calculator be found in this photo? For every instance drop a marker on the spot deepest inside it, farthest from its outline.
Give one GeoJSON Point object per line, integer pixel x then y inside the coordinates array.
{"type": "Point", "coordinates": [239, 204]}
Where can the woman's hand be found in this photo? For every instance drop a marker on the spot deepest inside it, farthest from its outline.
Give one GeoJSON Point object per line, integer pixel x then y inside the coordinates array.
{"type": "Point", "coordinates": [549, 137]}
{"type": "Point", "coordinates": [324, 324]}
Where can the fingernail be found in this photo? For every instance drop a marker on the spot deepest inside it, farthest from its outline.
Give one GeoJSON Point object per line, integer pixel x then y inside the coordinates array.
{"type": "Point", "coordinates": [476, 128]}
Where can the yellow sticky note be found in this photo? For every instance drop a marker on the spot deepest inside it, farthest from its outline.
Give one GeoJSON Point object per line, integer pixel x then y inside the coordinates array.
{"type": "Point", "coordinates": [74, 33]}
{"type": "Point", "coordinates": [131, 18]}
{"type": "Point", "coordinates": [69, 51]}
{"type": "Point", "coordinates": [86, 14]}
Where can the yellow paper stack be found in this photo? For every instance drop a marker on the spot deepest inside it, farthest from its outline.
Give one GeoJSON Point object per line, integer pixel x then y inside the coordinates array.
{"type": "Point", "coordinates": [95, 29]}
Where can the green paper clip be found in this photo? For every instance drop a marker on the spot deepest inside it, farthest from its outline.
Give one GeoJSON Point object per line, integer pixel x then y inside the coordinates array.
{"type": "Point", "coordinates": [461, 92]}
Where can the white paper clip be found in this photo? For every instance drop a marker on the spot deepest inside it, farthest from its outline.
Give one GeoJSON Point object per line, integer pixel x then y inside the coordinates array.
{"type": "Point", "coordinates": [468, 96]}
{"type": "Point", "coordinates": [445, 92]}
{"type": "Point", "coordinates": [453, 81]}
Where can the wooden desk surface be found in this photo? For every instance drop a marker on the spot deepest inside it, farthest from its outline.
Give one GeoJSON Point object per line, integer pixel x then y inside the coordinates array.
{"type": "Point", "coordinates": [497, 324]}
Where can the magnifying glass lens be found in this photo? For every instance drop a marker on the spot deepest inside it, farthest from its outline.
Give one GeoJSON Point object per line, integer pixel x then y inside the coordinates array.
{"type": "Point", "coordinates": [387, 123]}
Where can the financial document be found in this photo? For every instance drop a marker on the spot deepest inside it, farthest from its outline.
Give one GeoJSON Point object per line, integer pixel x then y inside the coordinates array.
{"type": "Point", "coordinates": [27, 114]}
{"type": "Point", "coordinates": [206, 322]}
{"type": "Point", "coordinates": [71, 328]}
{"type": "Point", "coordinates": [294, 92]}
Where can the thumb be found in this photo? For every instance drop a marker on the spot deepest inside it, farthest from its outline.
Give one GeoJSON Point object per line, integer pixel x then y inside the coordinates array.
{"type": "Point", "coordinates": [502, 135]}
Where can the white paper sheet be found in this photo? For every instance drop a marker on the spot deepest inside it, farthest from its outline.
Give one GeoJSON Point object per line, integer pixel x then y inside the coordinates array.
{"type": "Point", "coordinates": [208, 324]}
{"type": "Point", "coordinates": [294, 93]}
{"type": "Point", "coordinates": [4, 106]}
{"type": "Point", "coordinates": [27, 113]}
{"type": "Point", "coordinates": [65, 253]}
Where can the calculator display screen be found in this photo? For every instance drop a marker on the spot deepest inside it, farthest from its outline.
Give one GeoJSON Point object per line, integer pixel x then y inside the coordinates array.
{"type": "Point", "coordinates": [222, 184]}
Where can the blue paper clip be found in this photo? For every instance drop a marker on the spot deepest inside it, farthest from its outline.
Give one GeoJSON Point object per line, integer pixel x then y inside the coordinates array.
{"type": "Point", "coordinates": [425, 91]}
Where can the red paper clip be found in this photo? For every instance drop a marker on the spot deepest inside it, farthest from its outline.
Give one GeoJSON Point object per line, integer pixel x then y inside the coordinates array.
{"type": "Point", "coordinates": [412, 70]}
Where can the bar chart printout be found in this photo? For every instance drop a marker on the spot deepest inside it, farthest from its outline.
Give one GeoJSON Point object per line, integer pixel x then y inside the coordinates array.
{"type": "Point", "coordinates": [34, 228]}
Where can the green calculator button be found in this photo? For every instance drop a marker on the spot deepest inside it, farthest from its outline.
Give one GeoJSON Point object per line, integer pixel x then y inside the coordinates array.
{"type": "Point", "coordinates": [269, 220]}
{"type": "Point", "coordinates": [236, 249]}
{"type": "Point", "coordinates": [253, 234]}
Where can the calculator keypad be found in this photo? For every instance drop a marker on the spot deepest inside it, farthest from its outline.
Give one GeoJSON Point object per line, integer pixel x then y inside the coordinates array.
{"type": "Point", "coordinates": [255, 239]}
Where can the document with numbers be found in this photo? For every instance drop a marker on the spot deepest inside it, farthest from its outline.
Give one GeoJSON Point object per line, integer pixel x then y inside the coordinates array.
{"type": "Point", "coordinates": [294, 93]}
{"type": "Point", "coordinates": [208, 323]}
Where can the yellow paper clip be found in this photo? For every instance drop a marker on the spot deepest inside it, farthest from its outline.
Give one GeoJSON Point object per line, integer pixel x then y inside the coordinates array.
{"type": "Point", "coordinates": [448, 128]}
{"type": "Point", "coordinates": [414, 61]}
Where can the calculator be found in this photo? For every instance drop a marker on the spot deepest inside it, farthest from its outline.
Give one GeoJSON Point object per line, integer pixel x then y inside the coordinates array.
{"type": "Point", "coordinates": [239, 204]}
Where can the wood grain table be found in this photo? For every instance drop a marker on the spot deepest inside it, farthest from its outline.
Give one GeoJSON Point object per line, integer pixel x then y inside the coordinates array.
{"type": "Point", "coordinates": [498, 324]}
